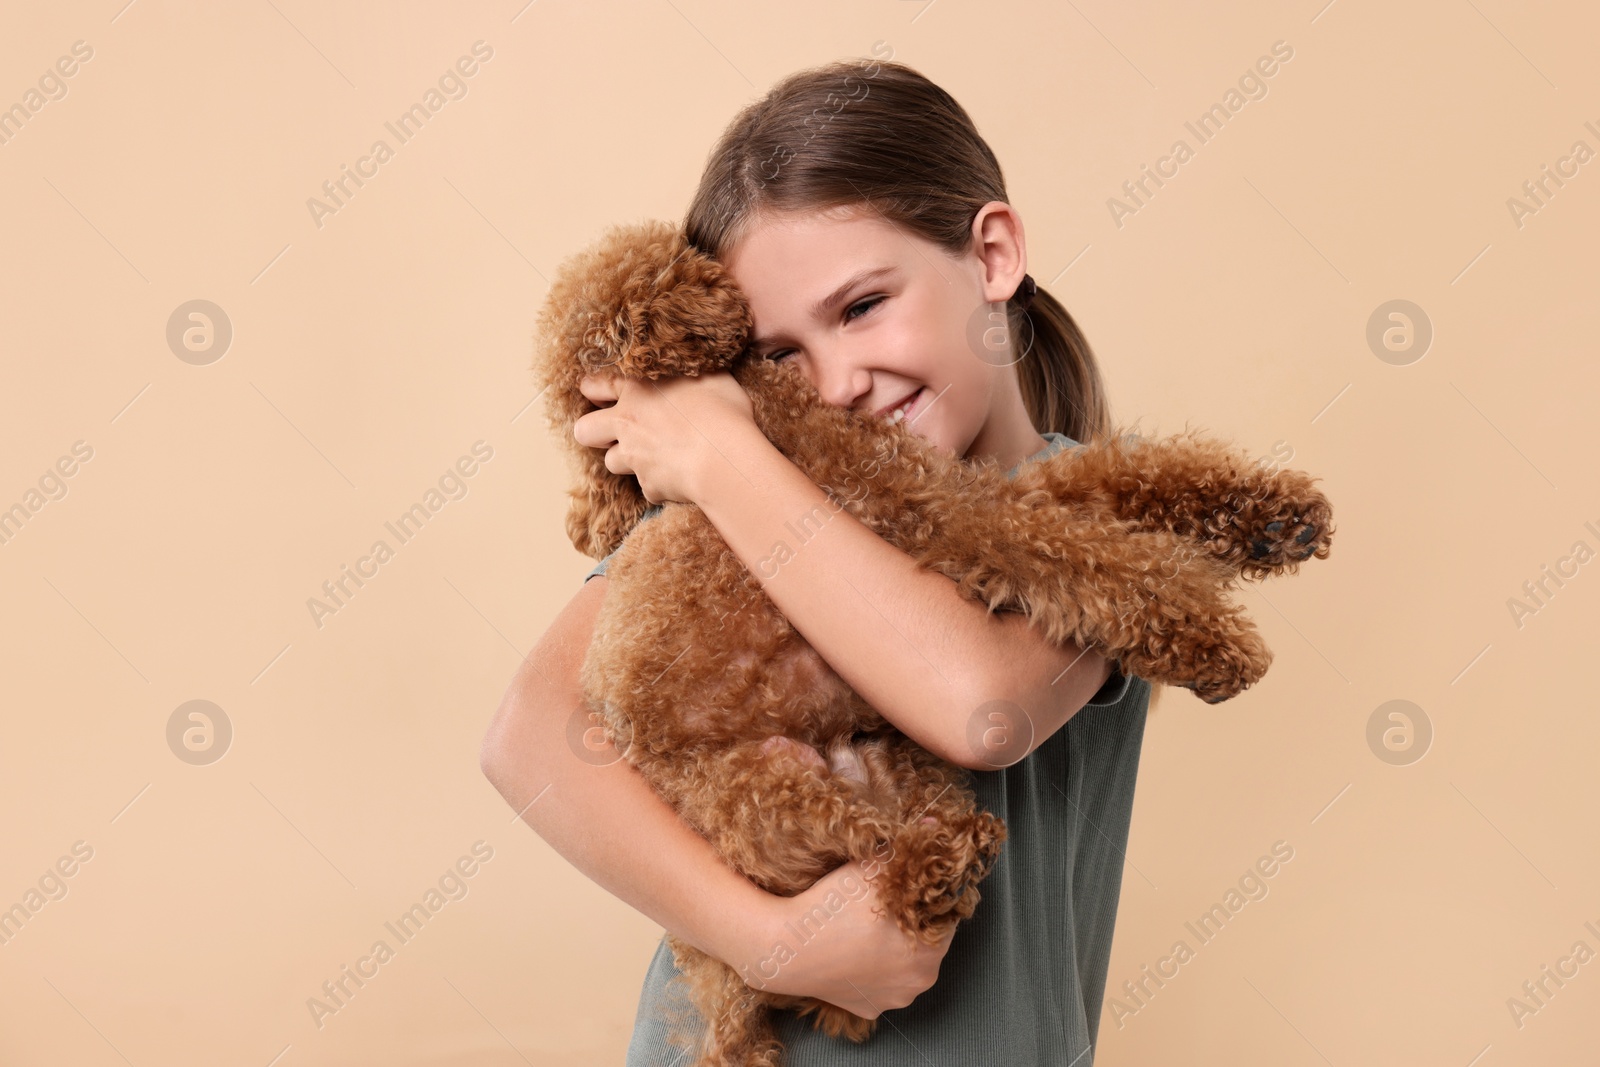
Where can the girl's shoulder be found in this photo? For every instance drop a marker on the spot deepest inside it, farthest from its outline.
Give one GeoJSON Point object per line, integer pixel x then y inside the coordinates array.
{"type": "Point", "coordinates": [600, 568]}
{"type": "Point", "coordinates": [1054, 442]}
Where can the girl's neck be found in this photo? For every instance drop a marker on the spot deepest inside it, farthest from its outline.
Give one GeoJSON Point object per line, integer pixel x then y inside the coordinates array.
{"type": "Point", "coordinates": [1008, 436]}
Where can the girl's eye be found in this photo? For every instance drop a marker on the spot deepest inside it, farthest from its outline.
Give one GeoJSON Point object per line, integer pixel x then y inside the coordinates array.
{"type": "Point", "coordinates": [868, 304]}
{"type": "Point", "coordinates": [863, 306]}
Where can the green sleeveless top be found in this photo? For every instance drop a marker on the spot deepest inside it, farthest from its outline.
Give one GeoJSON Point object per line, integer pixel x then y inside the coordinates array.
{"type": "Point", "coordinates": [1024, 979]}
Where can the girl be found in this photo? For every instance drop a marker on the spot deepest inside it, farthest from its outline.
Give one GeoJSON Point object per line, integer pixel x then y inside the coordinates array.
{"type": "Point", "coordinates": [866, 221]}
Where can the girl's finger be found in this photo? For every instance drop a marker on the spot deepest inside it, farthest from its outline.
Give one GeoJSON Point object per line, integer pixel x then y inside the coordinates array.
{"type": "Point", "coordinates": [589, 430]}
{"type": "Point", "coordinates": [598, 388]}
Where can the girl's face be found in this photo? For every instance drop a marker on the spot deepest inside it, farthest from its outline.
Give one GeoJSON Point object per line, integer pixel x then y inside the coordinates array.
{"type": "Point", "coordinates": [874, 315]}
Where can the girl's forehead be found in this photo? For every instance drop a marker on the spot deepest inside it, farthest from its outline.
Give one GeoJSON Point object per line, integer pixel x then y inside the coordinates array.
{"type": "Point", "coordinates": [815, 240]}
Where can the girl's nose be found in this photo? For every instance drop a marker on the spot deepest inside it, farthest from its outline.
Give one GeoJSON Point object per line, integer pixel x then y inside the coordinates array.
{"type": "Point", "coordinates": [840, 382]}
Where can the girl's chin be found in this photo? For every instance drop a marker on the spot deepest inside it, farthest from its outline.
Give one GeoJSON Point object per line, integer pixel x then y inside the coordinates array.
{"type": "Point", "coordinates": [921, 429]}
{"type": "Point", "coordinates": [932, 436]}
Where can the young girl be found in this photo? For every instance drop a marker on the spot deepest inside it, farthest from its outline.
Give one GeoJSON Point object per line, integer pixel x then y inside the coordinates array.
{"type": "Point", "coordinates": [866, 221]}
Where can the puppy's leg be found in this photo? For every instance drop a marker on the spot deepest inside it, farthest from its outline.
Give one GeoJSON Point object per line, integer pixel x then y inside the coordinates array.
{"type": "Point", "coordinates": [930, 872]}
{"type": "Point", "coordinates": [833, 1020]}
{"type": "Point", "coordinates": [926, 876]}
{"type": "Point", "coordinates": [1048, 542]}
{"type": "Point", "coordinates": [738, 1020]}
{"type": "Point", "coordinates": [1147, 599]}
{"type": "Point", "coordinates": [776, 812]}
{"type": "Point", "coordinates": [772, 809]}
{"type": "Point", "coordinates": [1261, 521]}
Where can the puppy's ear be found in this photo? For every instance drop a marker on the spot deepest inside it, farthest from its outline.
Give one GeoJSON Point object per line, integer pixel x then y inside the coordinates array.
{"type": "Point", "coordinates": [686, 319]}
{"type": "Point", "coordinates": [640, 303]}
{"type": "Point", "coordinates": [604, 508]}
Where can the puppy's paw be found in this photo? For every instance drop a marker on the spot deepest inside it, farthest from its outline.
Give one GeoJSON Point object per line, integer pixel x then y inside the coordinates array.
{"type": "Point", "coordinates": [1226, 667]}
{"type": "Point", "coordinates": [931, 879]}
{"type": "Point", "coordinates": [1288, 529]}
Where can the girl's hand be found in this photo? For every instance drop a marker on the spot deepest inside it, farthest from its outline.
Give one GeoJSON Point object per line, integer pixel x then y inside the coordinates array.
{"type": "Point", "coordinates": [856, 958]}
{"type": "Point", "coordinates": [663, 432]}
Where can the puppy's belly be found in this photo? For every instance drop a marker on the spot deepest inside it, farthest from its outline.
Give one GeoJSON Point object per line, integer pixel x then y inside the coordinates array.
{"type": "Point", "coordinates": [843, 760]}
{"type": "Point", "coordinates": [791, 691]}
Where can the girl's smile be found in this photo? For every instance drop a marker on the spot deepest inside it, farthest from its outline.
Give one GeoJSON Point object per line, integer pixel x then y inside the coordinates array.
{"type": "Point", "coordinates": [895, 412]}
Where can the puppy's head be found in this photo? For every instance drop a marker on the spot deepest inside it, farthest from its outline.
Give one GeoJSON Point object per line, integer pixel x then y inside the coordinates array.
{"type": "Point", "coordinates": [640, 303]}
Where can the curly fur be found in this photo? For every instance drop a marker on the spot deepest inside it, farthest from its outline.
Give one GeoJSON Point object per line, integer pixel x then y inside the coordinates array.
{"type": "Point", "coordinates": [1125, 545]}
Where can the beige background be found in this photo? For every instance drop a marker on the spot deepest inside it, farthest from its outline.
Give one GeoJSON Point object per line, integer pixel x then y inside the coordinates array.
{"type": "Point", "coordinates": [370, 354]}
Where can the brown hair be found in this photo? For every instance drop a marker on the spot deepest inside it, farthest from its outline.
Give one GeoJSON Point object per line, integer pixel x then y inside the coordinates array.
{"type": "Point", "coordinates": [880, 133]}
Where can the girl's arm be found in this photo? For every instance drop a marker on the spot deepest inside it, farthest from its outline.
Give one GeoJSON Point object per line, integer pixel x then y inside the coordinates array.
{"type": "Point", "coordinates": [927, 658]}
{"type": "Point", "coordinates": [606, 820]}
{"type": "Point", "coordinates": [609, 823]}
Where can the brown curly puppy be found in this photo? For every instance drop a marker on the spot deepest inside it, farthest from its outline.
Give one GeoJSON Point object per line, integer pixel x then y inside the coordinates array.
{"type": "Point", "coordinates": [1126, 545]}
